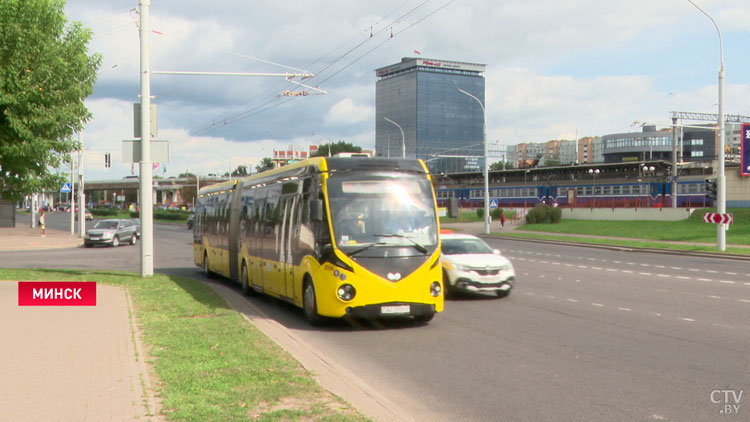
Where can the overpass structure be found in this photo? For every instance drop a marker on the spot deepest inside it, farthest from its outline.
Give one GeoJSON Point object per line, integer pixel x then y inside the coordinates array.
{"type": "Point", "coordinates": [173, 191]}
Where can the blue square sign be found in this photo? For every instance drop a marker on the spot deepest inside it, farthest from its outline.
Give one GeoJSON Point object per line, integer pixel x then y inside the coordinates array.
{"type": "Point", "coordinates": [65, 187]}
{"type": "Point", "coordinates": [745, 151]}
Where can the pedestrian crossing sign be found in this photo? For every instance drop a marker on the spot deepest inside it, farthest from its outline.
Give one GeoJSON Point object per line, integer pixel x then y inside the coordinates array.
{"type": "Point", "coordinates": [65, 188]}
{"type": "Point", "coordinates": [493, 203]}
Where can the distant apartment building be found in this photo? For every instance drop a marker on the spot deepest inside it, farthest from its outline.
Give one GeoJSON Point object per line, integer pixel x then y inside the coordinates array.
{"type": "Point", "coordinates": [590, 150]}
{"type": "Point", "coordinates": [418, 101]}
{"type": "Point", "coordinates": [292, 154]}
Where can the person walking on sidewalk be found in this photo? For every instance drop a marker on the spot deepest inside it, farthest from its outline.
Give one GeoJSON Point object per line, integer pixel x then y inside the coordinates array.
{"type": "Point", "coordinates": [502, 219]}
{"type": "Point", "coordinates": [41, 223]}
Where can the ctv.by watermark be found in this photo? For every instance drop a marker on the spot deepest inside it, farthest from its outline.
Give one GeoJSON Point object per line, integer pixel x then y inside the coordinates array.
{"type": "Point", "coordinates": [728, 399]}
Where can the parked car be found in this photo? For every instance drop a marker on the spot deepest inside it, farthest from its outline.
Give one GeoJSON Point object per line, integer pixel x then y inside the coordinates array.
{"type": "Point", "coordinates": [112, 232]}
{"type": "Point", "coordinates": [469, 264]}
{"type": "Point", "coordinates": [190, 221]}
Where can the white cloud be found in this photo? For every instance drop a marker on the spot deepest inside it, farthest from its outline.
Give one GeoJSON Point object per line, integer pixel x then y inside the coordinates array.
{"type": "Point", "coordinates": [345, 112]}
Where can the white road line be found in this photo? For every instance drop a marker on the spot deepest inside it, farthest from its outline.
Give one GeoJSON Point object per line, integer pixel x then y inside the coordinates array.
{"type": "Point", "coordinates": [612, 269]}
{"type": "Point", "coordinates": [530, 293]}
{"type": "Point", "coordinates": [549, 297]}
{"type": "Point", "coordinates": [675, 268]}
{"type": "Point", "coordinates": [704, 279]}
{"type": "Point", "coordinates": [628, 271]}
{"type": "Point", "coordinates": [596, 268]}
{"type": "Point", "coordinates": [693, 269]}
{"type": "Point", "coordinates": [597, 304]}
{"type": "Point", "coordinates": [645, 265]}
{"type": "Point", "coordinates": [625, 309]}
{"type": "Point", "coordinates": [569, 265]}
{"type": "Point", "coordinates": [712, 271]}
{"type": "Point", "coordinates": [664, 275]}
{"type": "Point", "coordinates": [657, 314]}
{"type": "Point", "coordinates": [682, 277]}
{"type": "Point", "coordinates": [616, 262]}
{"type": "Point", "coordinates": [743, 300]}
{"type": "Point", "coordinates": [644, 273]}
{"type": "Point", "coordinates": [572, 300]}
{"type": "Point", "coordinates": [715, 297]}
{"type": "Point", "coordinates": [688, 319]}
{"type": "Point", "coordinates": [660, 266]}
{"type": "Point", "coordinates": [727, 282]}
{"type": "Point", "coordinates": [728, 273]}
{"type": "Point", "coordinates": [582, 266]}
{"type": "Point", "coordinates": [747, 284]}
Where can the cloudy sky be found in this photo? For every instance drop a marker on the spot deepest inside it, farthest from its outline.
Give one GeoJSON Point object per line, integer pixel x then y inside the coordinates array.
{"type": "Point", "coordinates": [555, 69]}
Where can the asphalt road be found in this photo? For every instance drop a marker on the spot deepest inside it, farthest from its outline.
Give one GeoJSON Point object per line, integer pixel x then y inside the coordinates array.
{"type": "Point", "coordinates": [587, 335]}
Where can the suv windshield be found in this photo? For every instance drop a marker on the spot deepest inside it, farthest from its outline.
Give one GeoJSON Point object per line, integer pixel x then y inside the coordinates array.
{"type": "Point", "coordinates": [464, 246]}
{"type": "Point", "coordinates": [382, 209]}
{"type": "Point", "coordinates": [106, 225]}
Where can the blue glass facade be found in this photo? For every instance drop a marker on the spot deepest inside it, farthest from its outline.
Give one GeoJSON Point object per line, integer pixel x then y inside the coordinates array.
{"type": "Point", "coordinates": [441, 125]}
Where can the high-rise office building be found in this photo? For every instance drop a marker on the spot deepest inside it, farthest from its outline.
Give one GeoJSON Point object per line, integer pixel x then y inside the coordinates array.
{"type": "Point", "coordinates": [440, 124]}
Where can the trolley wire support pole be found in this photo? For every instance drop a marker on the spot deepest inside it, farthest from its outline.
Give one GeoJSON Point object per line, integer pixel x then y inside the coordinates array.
{"type": "Point", "coordinates": [486, 164]}
{"type": "Point", "coordinates": [721, 229]}
{"type": "Point", "coordinates": [146, 178]}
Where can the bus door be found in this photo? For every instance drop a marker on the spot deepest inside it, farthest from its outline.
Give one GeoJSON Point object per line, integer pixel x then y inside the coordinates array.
{"type": "Point", "coordinates": [281, 266]}
{"type": "Point", "coordinates": [233, 234]}
{"type": "Point", "coordinates": [288, 244]}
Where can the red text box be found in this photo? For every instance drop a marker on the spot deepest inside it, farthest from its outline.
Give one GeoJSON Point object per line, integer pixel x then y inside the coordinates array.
{"type": "Point", "coordinates": [56, 293]}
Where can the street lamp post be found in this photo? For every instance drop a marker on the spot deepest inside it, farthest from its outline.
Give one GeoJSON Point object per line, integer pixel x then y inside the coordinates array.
{"type": "Point", "coordinates": [486, 165]}
{"type": "Point", "coordinates": [720, 180]}
{"type": "Point", "coordinates": [403, 139]}
{"type": "Point", "coordinates": [594, 172]}
{"type": "Point", "coordinates": [647, 171]}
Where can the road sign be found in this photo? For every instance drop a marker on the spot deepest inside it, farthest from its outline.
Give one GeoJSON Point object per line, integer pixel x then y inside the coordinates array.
{"type": "Point", "coordinates": [493, 203]}
{"type": "Point", "coordinates": [716, 218]}
{"type": "Point", "coordinates": [65, 187]}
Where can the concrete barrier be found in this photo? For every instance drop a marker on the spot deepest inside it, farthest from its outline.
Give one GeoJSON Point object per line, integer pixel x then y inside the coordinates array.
{"type": "Point", "coordinates": [627, 214]}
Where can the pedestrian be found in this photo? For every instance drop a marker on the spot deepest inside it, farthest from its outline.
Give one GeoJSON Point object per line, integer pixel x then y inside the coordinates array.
{"type": "Point", "coordinates": [502, 219]}
{"type": "Point", "coordinates": [41, 223]}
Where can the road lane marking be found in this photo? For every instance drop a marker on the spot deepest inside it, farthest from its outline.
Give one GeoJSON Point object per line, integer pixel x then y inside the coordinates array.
{"type": "Point", "coordinates": [693, 269]}
{"type": "Point", "coordinates": [727, 282]}
{"type": "Point", "coordinates": [663, 275]}
{"type": "Point", "coordinates": [682, 277]}
{"type": "Point", "coordinates": [597, 304]}
{"type": "Point", "coordinates": [728, 273]}
{"type": "Point", "coordinates": [660, 266]}
{"type": "Point", "coordinates": [712, 271]}
{"type": "Point", "coordinates": [675, 268]}
{"type": "Point", "coordinates": [596, 268]}
{"type": "Point", "coordinates": [687, 319]}
{"type": "Point", "coordinates": [572, 300]}
{"type": "Point", "coordinates": [625, 309]}
{"type": "Point", "coordinates": [549, 297]}
{"type": "Point", "coordinates": [743, 300]}
{"type": "Point", "coordinates": [612, 269]}
{"type": "Point", "coordinates": [644, 273]}
{"type": "Point", "coordinates": [715, 297]}
{"type": "Point", "coordinates": [704, 279]}
{"type": "Point", "coordinates": [628, 271]}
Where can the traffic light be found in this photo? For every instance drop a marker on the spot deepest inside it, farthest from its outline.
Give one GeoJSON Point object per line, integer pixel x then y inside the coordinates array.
{"type": "Point", "coordinates": [107, 160]}
{"type": "Point", "coordinates": [711, 191]}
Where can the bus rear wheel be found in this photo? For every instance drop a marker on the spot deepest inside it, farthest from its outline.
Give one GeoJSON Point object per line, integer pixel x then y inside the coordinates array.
{"type": "Point", "coordinates": [206, 271]}
{"type": "Point", "coordinates": [310, 305]}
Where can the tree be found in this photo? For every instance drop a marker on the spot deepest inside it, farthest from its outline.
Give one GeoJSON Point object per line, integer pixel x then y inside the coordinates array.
{"type": "Point", "coordinates": [265, 164]}
{"type": "Point", "coordinates": [240, 171]}
{"type": "Point", "coordinates": [336, 148]}
{"type": "Point", "coordinates": [45, 76]}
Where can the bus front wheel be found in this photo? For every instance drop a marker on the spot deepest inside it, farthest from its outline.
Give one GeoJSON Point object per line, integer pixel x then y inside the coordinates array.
{"type": "Point", "coordinates": [310, 305]}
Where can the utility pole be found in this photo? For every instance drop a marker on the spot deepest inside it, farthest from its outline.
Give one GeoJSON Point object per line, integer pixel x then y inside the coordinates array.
{"type": "Point", "coordinates": [146, 179]}
{"type": "Point", "coordinates": [674, 162]}
{"type": "Point", "coordinates": [81, 194]}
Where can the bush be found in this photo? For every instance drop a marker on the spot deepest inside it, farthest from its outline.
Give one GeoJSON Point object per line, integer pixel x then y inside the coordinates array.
{"type": "Point", "coordinates": [105, 212]}
{"type": "Point", "coordinates": [495, 213]}
{"type": "Point", "coordinates": [480, 213]}
{"type": "Point", "coordinates": [543, 213]}
{"type": "Point", "coordinates": [165, 215]}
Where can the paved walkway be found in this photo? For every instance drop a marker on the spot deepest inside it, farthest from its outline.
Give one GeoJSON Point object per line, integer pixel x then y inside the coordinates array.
{"type": "Point", "coordinates": [68, 363]}
{"type": "Point", "coordinates": [23, 237]}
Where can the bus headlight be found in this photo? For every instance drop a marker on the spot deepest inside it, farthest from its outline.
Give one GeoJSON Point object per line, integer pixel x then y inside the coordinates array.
{"type": "Point", "coordinates": [346, 292]}
{"type": "Point", "coordinates": [435, 289]}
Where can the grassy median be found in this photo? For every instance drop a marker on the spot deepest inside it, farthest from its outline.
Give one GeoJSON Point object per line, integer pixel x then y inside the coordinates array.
{"type": "Point", "coordinates": [211, 364]}
{"type": "Point", "coordinates": [648, 234]}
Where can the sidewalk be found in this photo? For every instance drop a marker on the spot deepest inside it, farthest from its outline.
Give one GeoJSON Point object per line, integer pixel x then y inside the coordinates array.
{"type": "Point", "coordinates": [63, 363]}
{"type": "Point", "coordinates": [23, 237]}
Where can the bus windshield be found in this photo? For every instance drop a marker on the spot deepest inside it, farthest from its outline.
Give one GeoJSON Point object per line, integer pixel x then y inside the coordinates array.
{"type": "Point", "coordinates": [382, 210]}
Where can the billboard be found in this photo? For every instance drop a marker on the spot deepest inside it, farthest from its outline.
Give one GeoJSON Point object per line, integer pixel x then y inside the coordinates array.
{"type": "Point", "coordinates": [745, 150]}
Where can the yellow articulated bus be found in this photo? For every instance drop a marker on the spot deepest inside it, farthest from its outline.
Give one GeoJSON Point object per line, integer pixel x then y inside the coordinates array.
{"type": "Point", "coordinates": [338, 237]}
